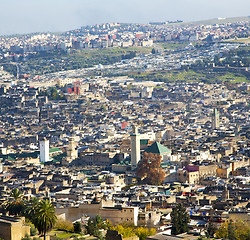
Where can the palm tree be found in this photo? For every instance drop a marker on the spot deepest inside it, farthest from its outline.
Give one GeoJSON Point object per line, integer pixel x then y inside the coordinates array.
{"type": "Point", "coordinates": [31, 208]}
{"type": "Point", "coordinates": [15, 205]}
{"type": "Point", "coordinates": [16, 194]}
{"type": "Point", "coordinates": [45, 217]}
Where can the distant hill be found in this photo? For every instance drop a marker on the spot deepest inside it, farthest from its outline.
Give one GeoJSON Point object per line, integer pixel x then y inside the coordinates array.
{"type": "Point", "coordinates": [217, 21]}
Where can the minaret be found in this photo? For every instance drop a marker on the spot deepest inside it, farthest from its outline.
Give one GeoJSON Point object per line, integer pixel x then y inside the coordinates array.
{"type": "Point", "coordinates": [215, 119]}
{"type": "Point", "coordinates": [225, 193]}
{"type": "Point", "coordinates": [237, 130]}
{"type": "Point", "coordinates": [72, 152]}
{"type": "Point", "coordinates": [44, 150]}
{"type": "Point", "coordinates": [135, 148]}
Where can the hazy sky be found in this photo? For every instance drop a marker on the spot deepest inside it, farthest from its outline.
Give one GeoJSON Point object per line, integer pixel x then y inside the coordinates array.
{"type": "Point", "coordinates": [25, 16]}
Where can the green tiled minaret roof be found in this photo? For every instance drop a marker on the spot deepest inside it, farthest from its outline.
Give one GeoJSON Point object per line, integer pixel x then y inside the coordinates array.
{"type": "Point", "coordinates": [157, 148]}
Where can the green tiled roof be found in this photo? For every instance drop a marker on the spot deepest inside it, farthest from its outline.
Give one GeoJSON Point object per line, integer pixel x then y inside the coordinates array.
{"type": "Point", "coordinates": [52, 150]}
{"type": "Point", "coordinates": [10, 158]}
{"type": "Point", "coordinates": [144, 141]}
{"type": "Point", "coordinates": [157, 148]}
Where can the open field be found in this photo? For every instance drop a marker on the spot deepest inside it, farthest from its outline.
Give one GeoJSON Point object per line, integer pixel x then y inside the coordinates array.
{"type": "Point", "coordinates": [239, 40]}
{"type": "Point", "coordinates": [172, 45]}
{"type": "Point", "coordinates": [67, 235]}
{"type": "Point", "coordinates": [190, 75]}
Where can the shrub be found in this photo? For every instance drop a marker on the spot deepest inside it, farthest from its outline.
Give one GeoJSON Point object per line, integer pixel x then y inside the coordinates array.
{"type": "Point", "coordinates": [64, 225]}
{"type": "Point", "coordinates": [27, 237]}
{"type": "Point", "coordinates": [77, 227]}
{"type": "Point", "coordinates": [33, 230]}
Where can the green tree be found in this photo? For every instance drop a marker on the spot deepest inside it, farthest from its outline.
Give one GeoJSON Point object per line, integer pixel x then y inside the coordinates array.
{"type": "Point", "coordinates": [92, 228]}
{"type": "Point", "coordinates": [64, 225]}
{"type": "Point", "coordinates": [94, 225]}
{"type": "Point", "coordinates": [15, 206]}
{"type": "Point", "coordinates": [54, 94]}
{"type": "Point", "coordinates": [179, 219]}
{"type": "Point", "coordinates": [211, 229]}
{"type": "Point", "coordinates": [129, 230]}
{"type": "Point", "coordinates": [33, 230]}
{"type": "Point", "coordinates": [143, 232]}
{"type": "Point", "coordinates": [77, 227]}
{"type": "Point", "coordinates": [31, 208]}
{"type": "Point", "coordinates": [45, 217]}
{"type": "Point", "coordinates": [231, 231]}
{"type": "Point", "coordinates": [234, 230]}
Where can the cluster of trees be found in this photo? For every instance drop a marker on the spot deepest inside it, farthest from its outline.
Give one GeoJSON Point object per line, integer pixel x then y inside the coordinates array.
{"type": "Point", "coordinates": [233, 58]}
{"type": "Point", "coordinates": [52, 94]}
{"type": "Point", "coordinates": [41, 213]}
{"type": "Point", "coordinates": [129, 55]}
{"type": "Point", "coordinates": [231, 230]}
{"type": "Point", "coordinates": [95, 225]}
{"type": "Point", "coordinates": [149, 169]}
{"type": "Point", "coordinates": [234, 230]}
{"type": "Point", "coordinates": [126, 230]}
{"type": "Point", "coordinates": [130, 230]}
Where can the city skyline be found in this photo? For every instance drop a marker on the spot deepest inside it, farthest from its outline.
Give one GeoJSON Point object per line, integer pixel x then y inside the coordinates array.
{"type": "Point", "coordinates": [55, 16]}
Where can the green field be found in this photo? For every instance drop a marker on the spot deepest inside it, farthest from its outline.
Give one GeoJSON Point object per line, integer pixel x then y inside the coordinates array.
{"type": "Point", "coordinates": [172, 45]}
{"type": "Point", "coordinates": [190, 75]}
{"type": "Point", "coordinates": [63, 234]}
{"type": "Point", "coordinates": [233, 78]}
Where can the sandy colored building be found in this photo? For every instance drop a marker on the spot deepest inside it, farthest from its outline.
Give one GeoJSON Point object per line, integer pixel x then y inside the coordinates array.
{"type": "Point", "coordinates": [13, 228]}
{"type": "Point", "coordinates": [106, 209]}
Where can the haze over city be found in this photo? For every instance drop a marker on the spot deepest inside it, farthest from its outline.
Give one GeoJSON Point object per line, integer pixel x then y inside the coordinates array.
{"type": "Point", "coordinates": [28, 16]}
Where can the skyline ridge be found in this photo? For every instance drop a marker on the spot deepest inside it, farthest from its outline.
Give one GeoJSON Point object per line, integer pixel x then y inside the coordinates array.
{"type": "Point", "coordinates": [56, 16]}
{"type": "Point", "coordinates": [198, 22]}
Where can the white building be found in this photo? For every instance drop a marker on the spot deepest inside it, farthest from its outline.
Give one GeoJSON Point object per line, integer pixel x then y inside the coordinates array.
{"type": "Point", "coordinates": [44, 151]}
{"type": "Point", "coordinates": [135, 148]}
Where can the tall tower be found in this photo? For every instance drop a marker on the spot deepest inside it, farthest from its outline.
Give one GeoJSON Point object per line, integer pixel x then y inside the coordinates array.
{"type": "Point", "coordinates": [215, 119]}
{"type": "Point", "coordinates": [135, 148]}
{"type": "Point", "coordinates": [72, 152]}
{"type": "Point", "coordinates": [44, 150]}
